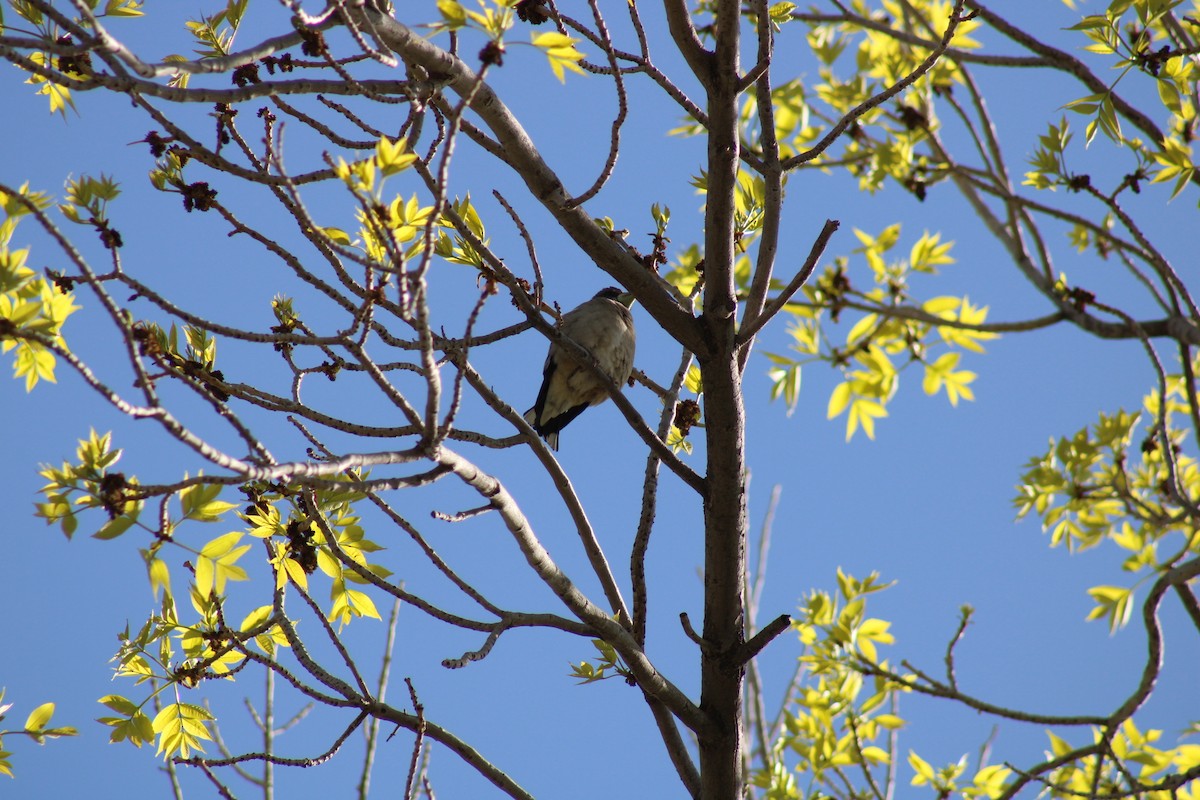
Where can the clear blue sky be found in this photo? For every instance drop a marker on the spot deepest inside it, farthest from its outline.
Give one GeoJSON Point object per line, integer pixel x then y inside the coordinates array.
{"type": "Point", "coordinates": [927, 504]}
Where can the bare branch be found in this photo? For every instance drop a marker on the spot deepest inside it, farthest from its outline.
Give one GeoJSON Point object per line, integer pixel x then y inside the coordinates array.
{"type": "Point", "coordinates": [750, 328]}
{"type": "Point", "coordinates": [647, 676]}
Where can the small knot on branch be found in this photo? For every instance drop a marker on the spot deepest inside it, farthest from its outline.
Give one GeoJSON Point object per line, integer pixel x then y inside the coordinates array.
{"type": "Point", "coordinates": [461, 515]}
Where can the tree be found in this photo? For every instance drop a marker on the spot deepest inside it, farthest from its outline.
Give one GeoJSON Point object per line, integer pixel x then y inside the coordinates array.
{"type": "Point", "coordinates": [365, 209]}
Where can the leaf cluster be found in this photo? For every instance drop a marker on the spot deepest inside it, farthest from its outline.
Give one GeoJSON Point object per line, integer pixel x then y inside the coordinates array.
{"type": "Point", "coordinates": [895, 325]}
{"type": "Point", "coordinates": [1107, 484]}
{"type": "Point", "coordinates": [33, 309]}
{"type": "Point", "coordinates": [1161, 773]}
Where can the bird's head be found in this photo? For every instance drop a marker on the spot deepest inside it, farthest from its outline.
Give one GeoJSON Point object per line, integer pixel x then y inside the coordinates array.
{"type": "Point", "coordinates": [620, 295]}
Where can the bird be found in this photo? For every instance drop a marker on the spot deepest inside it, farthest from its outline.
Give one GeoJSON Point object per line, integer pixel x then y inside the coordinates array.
{"type": "Point", "coordinates": [603, 326]}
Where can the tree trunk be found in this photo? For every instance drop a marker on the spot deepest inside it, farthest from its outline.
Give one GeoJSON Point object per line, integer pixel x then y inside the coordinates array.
{"type": "Point", "coordinates": [724, 566]}
{"type": "Point", "coordinates": [725, 502]}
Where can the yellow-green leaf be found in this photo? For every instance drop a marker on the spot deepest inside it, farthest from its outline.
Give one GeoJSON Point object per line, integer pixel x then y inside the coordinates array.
{"type": "Point", "coordinates": [181, 727]}
{"type": "Point", "coordinates": [1114, 602]}
{"type": "Point", "coordinates": [838, 400]}
{"type": "Point", "coordinates": [336, 235]}
{"type": "Point", "coordinates": [38, 718]}
{"type": "Point", "coordinates": [393, 157]}
{"type": "Point", "coordinates": [922, 768]}
{"type": "Point", "coordinates": [560, 51]}
{"type": "Point", "coordinates": [294, 571]}
{"type": "Point", "coordinates": [216, 563]}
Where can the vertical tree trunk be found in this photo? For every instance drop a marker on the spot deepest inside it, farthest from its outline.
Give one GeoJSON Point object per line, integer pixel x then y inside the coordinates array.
{"type": "Point", "coordinates": [725, 503]}
{"type": "Point", "coordinates": [724, 566]}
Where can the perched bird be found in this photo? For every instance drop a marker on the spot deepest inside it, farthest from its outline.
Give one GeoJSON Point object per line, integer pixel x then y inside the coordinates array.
{"type": "Point", "coordinates": [602, 325]}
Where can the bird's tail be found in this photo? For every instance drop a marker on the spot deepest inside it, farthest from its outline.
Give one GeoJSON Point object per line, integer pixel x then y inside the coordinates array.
{"type": "Point", "coordinates": [551, 438]}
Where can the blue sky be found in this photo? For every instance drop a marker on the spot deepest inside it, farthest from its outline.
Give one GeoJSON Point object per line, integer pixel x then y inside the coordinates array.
{"type": "Point", "coordinates": [926, 504]}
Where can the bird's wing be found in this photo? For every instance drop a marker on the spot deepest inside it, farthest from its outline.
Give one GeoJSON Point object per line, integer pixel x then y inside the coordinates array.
{"type": "Point", "coordinates": [534, 415]}
{"type": "Point", "coordinates": [565, 392]}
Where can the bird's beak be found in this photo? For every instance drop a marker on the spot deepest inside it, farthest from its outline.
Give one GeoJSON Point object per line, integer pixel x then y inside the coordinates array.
{"type": "Point", "coordinates": [626, 299]}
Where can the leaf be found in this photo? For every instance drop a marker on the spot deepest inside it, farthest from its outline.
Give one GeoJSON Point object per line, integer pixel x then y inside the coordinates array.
{"type": "Point", "coordinates": [560, 51]}
{"type": "Point", "coordinates": [1175, 160]}
{"type": "Point", "coordinates": [965, 337]}
{"type": "Point", "coordinates": [160, 576]}
{"type": "Point", "coordinates": [199, 503]}
{"type": "Point", "coordinates": [60, 96]}
{"type": "Point", "coordinates": [1058, 746]}
{"type": "Point", "coordinates": [336, 235]}
{"type": "Point", "coordinates": [123, 8]}
{"type": "Point", "coordinates": [863, 412]}
{"type": "Point", "coordinates": [838, 400]}
{"type": "Point", "coordinates": [119, 704]}
{"type": "Point", "coordinates": [930, 252]}
{"type": "Point", "coordinates": [393, 157]}
{"type": "Point", "coordinates": [944, 307]}
{"type": "Point", "coordinates": [989, 781]}
{"type": "Point", "coordinates": [264, 522]}
{"type": "Point", "coordinates": [941, 374]}
{"type": "Point", "coordinates": [34, 363]}
{"type": "Point", "coordinates": [875, 755]}
{"type": "Point", "coordinates": [860, 330]}
{"type": "Point", "coordinates": [181, 727]}
{"type": "Point", "coordinates": [362, 604]}
{"type": "Point", "coordinates": [869, 633]}
{"type": "Point", "coordinates": [216, 563]}
{"type": "Point", "coordinates": [350, 603]}
{"type": "Point", "coordinates": [133, 726]}
{"type": "Point", "coordinates": [1114, 602]}
{"type": "Point", "coordinates": [292, 569]}
{"type": "Point", "coordinates": [115, 527]}
{"type": "Point", "coordinates": [780, 13]}
{"type": "Point", "coordinates": [37, 719]}
{"type": "Point", "coordinates": [786, 383]}
{"type": "Point", "coordinates": [922, 768]}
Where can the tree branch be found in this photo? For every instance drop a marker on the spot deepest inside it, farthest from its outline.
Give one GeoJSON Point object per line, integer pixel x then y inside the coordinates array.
{"type": "Point", "coordinates": [608, 254]}
{"type": "Point", "coordinates": [750, 328]}
{"type": "Point", "coordinates": [648, 677]}
{"type": "Point", "coordinates": [882, 97]}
